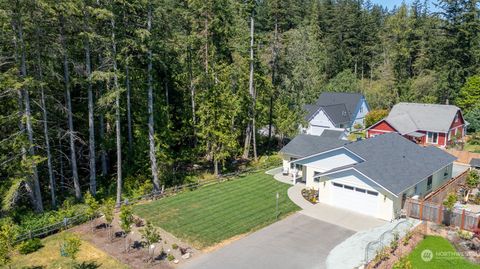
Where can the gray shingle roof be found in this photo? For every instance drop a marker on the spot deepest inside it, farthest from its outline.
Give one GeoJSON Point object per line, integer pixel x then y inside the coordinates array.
{"type": "Point", "coordinates": [475, 162]}
{"type": "Point", "coordinates": [396, 163]}
{"type": "Point", "coordinates": [339, 106]}
{"type": "Point", "coordinates": [304, 145]}
{"type": "Point", "coordinates": [410, 117]}
{"type": "Point", "coordinates": [331, 133]}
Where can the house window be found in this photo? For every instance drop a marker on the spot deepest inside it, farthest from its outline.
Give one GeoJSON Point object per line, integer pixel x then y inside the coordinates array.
{"type": "Point", "coordinates": [445, 172]}
{"type": "Point", "coordinates": [338, 185]}
{"type": "Point", "coordinates": [374, 193]}
{"type": "Point", "coordinates": [360, 190]}
{"type": "Point", "coordinates": [348, 187]}
{"type": "Point", "coordinates": [429, 183]}
{"type": "Point", "coordinates": [432, 138]}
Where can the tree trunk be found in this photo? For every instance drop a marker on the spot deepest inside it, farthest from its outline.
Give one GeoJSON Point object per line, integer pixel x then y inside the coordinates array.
{"type": "Point", "coordinates": [66, 78]}
{"type": "Point", "coordinates": [151, 130]}
{"type": "Point", "coordinates": [192, 95]}
{"type": "Point", "coordinates": [43, 105]}
{"type": "Point", "coordinates": [101, 131]}
{"type": "Point", "coordinates": [250, 131]}
{"type": "Point", "coordinates": [215, 166]}
{"type": "Point", "coordinates": [21, 126]}
{"type": "Point", "coordinates": [129, 112]}
{"type": "Point", "coordinates": [274, 80]}
{"type": "Point", "coordinates": [91, 123]}
{"type": "Point", "coordinates": [252, 89]}
{"type": "Point", "coordinates": [28, 119]}
{"type": "Point", "coordinates": [248, 138]}
{"type": "Point", "coordinates": [117, 117]}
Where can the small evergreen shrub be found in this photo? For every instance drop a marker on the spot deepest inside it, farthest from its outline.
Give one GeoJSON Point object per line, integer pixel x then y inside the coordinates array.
{"type": "Point", "coordinates": [170, 257]}
{"type": "Point", "coordinates": [174, 246]}
{"type": "Point", "coordinates": [30, 246]}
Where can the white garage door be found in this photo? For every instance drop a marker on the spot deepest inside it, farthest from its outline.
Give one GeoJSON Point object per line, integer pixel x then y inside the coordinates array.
{"type": "Point", "coordinates": [353, 198]}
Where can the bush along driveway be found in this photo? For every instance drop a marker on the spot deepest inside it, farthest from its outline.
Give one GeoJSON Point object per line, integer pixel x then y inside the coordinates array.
{"type": "Point", "coordinates": [215, 213]}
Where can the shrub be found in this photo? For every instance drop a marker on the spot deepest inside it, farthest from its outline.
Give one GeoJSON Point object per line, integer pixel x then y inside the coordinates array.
{"type": "Point", "coordinates": [465, 235]}
{"type": "Point", "coordinates": [30, 246]}
{"type": "Point", "coordinates": [374, 116]}
{"type": "Point", "coordinates": [407, 238]}
{"type": "Point", "coordinates": [150, 234]}
{"type": "Point", "coordinates": [170, 257]}
{"type": "Point", "coordinates": [174, 246]}
{"type": "Point", "coordinates": [86, 265]}
{"type": "Point", "coordinates": [403, 263]}
{"type": "Point", "coordinates": [393, 245]}
{"type": "Point", "coordinates": [70, 246]}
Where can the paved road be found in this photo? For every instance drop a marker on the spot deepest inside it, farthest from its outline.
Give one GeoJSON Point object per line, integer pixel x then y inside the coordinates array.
{"type": "Point", "coordinates": [298, 241]}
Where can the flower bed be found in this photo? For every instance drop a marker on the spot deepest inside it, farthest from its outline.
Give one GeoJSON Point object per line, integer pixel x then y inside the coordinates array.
{"type": "Point", "coordinates": [390, 255]}
{"type": "Point", "coordinates": [310, 195]}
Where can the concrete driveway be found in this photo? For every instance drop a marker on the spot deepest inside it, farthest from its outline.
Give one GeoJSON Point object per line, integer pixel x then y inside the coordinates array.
{"type": "Point", "coordinates": [299, 241]}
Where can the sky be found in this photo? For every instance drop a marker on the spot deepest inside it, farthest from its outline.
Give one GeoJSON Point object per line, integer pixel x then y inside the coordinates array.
{"type": "Point", "coordinates": [392, 3]}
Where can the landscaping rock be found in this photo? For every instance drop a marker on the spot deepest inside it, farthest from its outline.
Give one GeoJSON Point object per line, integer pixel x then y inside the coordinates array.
{"type": "Point", "coordinates": [186, 256]}
{"type": "Point", "coordinates": [176, 261]}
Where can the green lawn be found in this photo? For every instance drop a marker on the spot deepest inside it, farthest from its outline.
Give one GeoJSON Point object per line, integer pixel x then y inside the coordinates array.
{"type": "Point", "coordinates": [443, 255]}
{"type": "Point", "coordinates": [218, 212]}
{"type": "Point", "coordinates": [48, 257]}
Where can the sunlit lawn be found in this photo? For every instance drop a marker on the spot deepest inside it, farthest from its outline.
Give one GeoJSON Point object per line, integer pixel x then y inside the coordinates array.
{"type": "Point", "coordinates": [444, 255]}
{"type": "Point", "coordinates": [49, 256]}
{"type": "Point", "coordinates": [215, 213]}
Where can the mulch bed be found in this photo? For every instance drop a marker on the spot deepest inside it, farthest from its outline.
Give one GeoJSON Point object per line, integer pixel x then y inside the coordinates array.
{"type": "Point", "coordinates": [400, 251]}
{"type": "Point", "coordinates": [137, 256]}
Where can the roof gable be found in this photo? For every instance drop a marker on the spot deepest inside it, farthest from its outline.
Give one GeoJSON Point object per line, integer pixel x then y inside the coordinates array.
{"type": "Point", "coordinates": [340, 107]}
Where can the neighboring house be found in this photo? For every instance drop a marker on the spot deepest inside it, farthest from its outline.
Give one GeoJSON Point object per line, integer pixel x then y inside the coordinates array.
{"type": "Point", "coordinates": [335, 110]}
{"type": "Point", "coordinates": [375, 176]}
{"type": "Point", "coordinates": [304, 145]}
{"type": "Point", "coordinates": [430, 124]}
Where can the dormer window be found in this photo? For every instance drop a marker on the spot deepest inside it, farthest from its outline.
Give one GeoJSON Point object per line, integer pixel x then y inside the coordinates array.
{"type": "Point", "coordinates": [344, 113]}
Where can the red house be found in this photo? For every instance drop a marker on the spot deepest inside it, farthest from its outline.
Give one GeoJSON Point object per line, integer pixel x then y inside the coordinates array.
{"type": "Point", "coordinates": [426, 124]}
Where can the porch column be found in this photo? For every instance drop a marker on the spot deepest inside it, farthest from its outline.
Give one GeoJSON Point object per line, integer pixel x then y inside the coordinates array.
{"type": "Point", "coordinates": [294, 174]}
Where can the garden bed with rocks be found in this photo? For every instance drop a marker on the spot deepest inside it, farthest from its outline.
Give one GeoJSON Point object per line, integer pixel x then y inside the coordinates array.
{"type": "Point", "coordinates": [165, 254]}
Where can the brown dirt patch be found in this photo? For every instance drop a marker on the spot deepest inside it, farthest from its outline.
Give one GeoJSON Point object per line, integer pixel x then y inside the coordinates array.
{"type": "Point", "coordinates": [137, 256]}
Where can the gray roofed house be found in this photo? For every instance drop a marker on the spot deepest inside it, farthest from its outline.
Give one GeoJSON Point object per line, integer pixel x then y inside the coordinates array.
{"type": "Point", "coordinates": [335, 110]}
{"type": "Point", "coordinates": [373, 176]}
{"type": "Point", "coordinates": [409, 117]}
{"type": "Point", "coordinates": [432, 124]}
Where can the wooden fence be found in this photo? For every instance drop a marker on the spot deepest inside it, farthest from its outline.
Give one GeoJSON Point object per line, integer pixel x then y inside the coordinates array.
{"type": "Point", "coordinates": [81, 218]}
{"type": "Point", "coordinates": [437, 213]}
{"type": "Point", "coordinates": [452, 185]}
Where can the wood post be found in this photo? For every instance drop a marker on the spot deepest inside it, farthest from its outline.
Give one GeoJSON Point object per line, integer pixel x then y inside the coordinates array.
{"type": "Point", "coordinates": [463, 220]}
{"type": "Point", "coordinates": [440, 213]}
{"type": "Point", "coordinates": [421, 210]}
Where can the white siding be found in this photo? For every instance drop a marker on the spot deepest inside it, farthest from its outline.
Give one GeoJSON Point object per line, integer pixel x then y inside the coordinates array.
{"type": "Point", "coordinates": [319, 123]}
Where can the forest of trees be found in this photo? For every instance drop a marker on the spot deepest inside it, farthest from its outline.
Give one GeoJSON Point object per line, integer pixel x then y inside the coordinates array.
{"type": "Point", "coordinates": [108, 95]}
